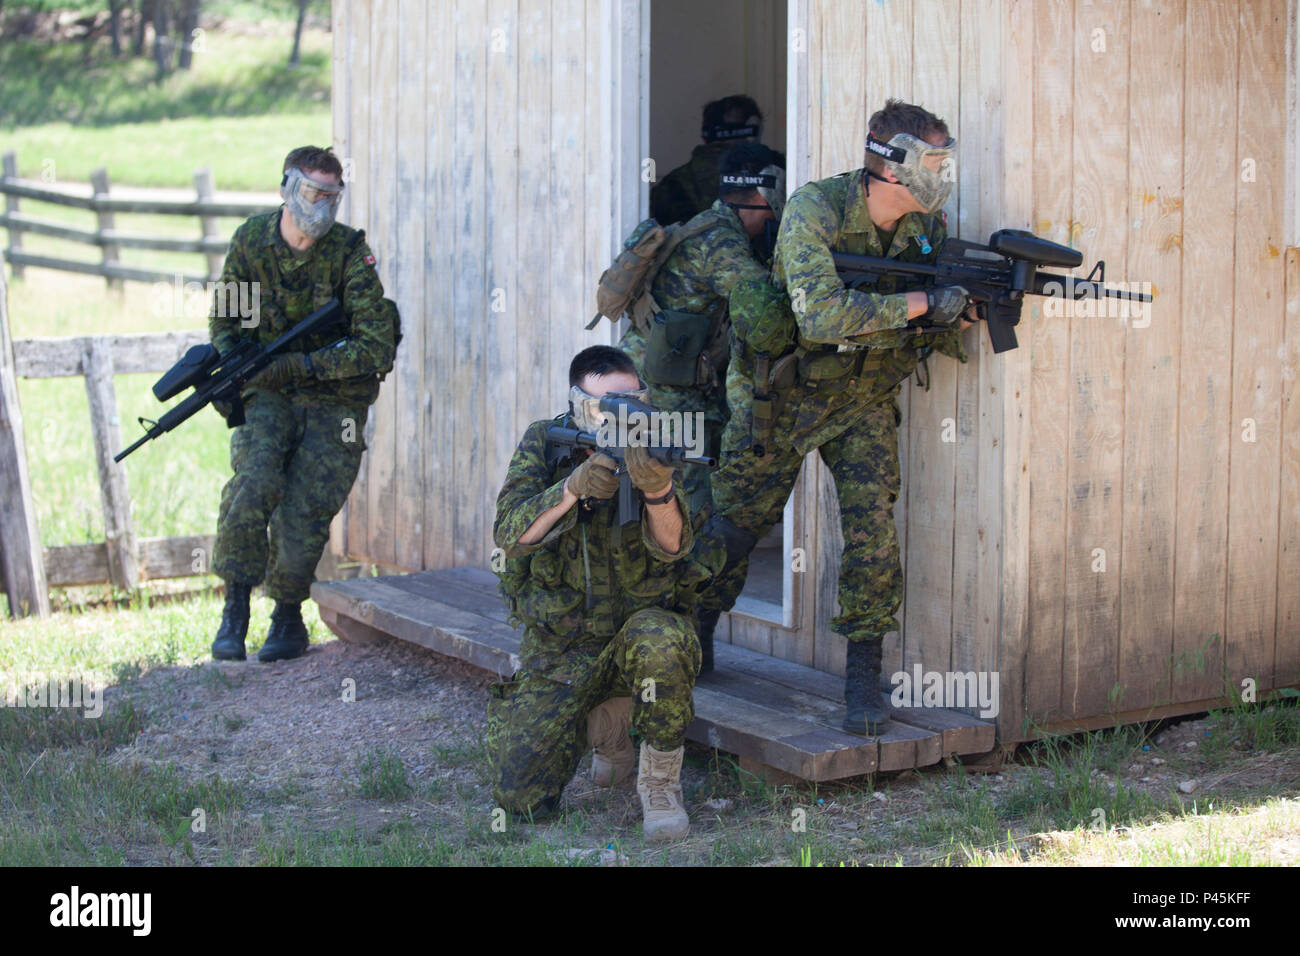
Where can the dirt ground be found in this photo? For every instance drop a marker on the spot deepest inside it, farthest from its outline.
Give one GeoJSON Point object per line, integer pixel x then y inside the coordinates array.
{"type": "Point", "coordinates": [285, 734]}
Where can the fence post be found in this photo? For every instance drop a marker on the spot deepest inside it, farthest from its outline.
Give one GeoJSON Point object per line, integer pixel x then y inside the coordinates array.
{"type": "Point", "coordinates": [207, 190]}
{"type": "Point", "coordinates": [99, 181]}
{"type": "Point", "coordinates": [10, 161]}
{"type": "Point", "coordinates": [105, 428]}
{"type": "Point", "coordinates": [22, 563]}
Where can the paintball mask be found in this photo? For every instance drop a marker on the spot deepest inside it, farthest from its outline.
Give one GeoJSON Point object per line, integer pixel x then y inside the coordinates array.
{"type": "Point", "coordinates": [312, 205]}
{"type": "Point", "coordinates": [587, 416]}
{"type": "Point", "coordinates": [927, 171]}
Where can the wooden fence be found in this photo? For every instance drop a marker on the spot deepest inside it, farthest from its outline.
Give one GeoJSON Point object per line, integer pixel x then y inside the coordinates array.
{"type": "Point", "coordinates": [97, 199]}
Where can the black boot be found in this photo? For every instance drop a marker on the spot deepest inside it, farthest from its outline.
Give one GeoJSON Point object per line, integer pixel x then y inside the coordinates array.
{"type": "Point", "coordinates": [229, 645]}
{"type": "Point", "coordinates": [867, 713]}
{"type": "Point", "coordinates": [708, 621]}
{"type": "Point", "coordinates": [287, 637]}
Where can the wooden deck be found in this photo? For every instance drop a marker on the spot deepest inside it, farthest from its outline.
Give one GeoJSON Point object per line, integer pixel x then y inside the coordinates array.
{"type": "Point", "coordinates": [765, 710]}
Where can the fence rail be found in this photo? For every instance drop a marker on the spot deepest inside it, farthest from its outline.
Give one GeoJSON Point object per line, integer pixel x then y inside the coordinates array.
{"type": "Point", "coordinates": [95, 197]}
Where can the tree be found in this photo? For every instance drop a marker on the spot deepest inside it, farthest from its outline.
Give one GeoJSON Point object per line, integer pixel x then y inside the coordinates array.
{"type": "Point", "coordinates": [189, 24]}
{"type": "Point", "coordinates": [115, 25]}
{"type": "Point", "coordinates": [162, 41]}
{"type": "Point", "coordinates": [297, 32]}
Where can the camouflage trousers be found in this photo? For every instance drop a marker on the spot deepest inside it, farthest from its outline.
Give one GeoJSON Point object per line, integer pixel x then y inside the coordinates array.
{"type": "Point", "coordinates": [294, 463]}
{"type": "Point", "coordinates": [751, 492]}
{"type": "Point", "coordinates": [676, 398]}
{"type": "Point", "coordinates": [537, 721]}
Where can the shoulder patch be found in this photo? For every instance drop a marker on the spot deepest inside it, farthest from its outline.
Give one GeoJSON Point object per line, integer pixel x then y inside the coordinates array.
{"type": "Point", "coordinates": [370, 260]}
{"type": "Point", "coordinates": [944, 216]}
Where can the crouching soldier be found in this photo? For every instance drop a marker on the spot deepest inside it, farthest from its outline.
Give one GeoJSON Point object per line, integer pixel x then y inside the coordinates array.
{"type": "Point", "coordinates": [608, 615]}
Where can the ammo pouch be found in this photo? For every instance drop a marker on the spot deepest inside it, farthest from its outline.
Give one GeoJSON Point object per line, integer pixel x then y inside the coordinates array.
{"type": "Point", "coordinates": [674, 342]}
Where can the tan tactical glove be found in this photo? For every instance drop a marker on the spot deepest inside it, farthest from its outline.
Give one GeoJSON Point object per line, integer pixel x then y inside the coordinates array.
{"type": "Point", "coordinates": [594, 478]}
{"type": "Point", "coordinates": [651, 476]}
{"type": "Point", "coordinates": [288, 368]}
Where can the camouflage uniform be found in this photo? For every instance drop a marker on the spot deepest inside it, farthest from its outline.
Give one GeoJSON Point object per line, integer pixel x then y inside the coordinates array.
{"type": "Point", "coordinates": [599, 621]}
{"type": "Point", "coordinates": [689, 189]}
{"type": "Point", "coordinates": [698, 277]}
{"type": "Point", "coordinates": [297, 454]}
{"type": "Point", "coordinates": [845, 402]}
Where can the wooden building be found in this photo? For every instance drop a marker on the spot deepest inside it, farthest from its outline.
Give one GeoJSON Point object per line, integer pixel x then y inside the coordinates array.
{"type": "Point", "coordinates": [1107, 517]}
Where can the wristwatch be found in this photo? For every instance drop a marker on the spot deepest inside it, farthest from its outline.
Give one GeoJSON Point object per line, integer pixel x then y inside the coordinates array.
{"type": "Point", "coordinates": [662, 500]}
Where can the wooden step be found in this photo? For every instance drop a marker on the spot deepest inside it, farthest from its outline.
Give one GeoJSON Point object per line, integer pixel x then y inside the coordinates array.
{"type": "Point", "coordinates": [782, 715]}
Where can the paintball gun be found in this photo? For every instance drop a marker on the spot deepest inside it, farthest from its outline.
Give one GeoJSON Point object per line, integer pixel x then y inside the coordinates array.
{"type": "Point", "coordinates": [221, 378]}
{"type": "Point", "coordinates": [628, 417]}
{"type": "Point", "coordinates": [999, 274]}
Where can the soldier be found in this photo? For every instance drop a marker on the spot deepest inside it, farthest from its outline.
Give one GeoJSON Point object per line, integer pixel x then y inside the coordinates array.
{"type": "Point", "coordinates": [836, 391]}
{"type": "Point", "coordinates": [609, 627]}
{"type": "Point", "coordinates": [297, 454]}
{"type": "Point", "coordinates": [692, 288]}
{"type": "Point", "coordinates": [691, 187]}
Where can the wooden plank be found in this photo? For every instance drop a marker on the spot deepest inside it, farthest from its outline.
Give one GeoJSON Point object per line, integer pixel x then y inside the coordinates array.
{"type": "Point", "coordinates": [961, 732]}
{"type": "Point", "coordinates": [206, 189]}
{"type": "Point", "coordinates": [382, 530]}
{"type": "Point", "coordinates": [930, 444]}
{"type": "Point", "coordinates": [1016, 370]}
{"type": "Point", "coordinates": [1146, 640]}
{"type": "Point", "coordinates": [1095, 465]}
{"type": "Point", "coordinates": [108, 271]}
{"type": "Point", "coordinates": [468, 397]}
{"type": "Point", "coordinates": [106, 433]}
{"type": "Point", "coordinates": [1286, 661]}
{"type": "Point", "coordinates": [1050, 375]}
{"type": "Point", "coordinates": [1205, 427]}
{"type": "Point", "coordinates": [341, 115]}
{"type": "Point", "coordinates": [435, 586]}
{"type": "Point", "coordinates": [10, 171]}
{"type": "Point", "coordinates": [21, 222]}
{"type": "Point", "coordinates": [136, 352]}
{"type": "Point", "coordinates": [501, 320]}
{"type": "Point", "coordinates": [439, 268]}
{"type": "Point", "coordinates": [22, 572]}
{"type": "Point", "coordinates": [354, 632]}
{"type": "Point", "coordinates": [407, 378]}
{"type": "Point", "coordinates": [1257, 337]}
{"type": "Point", "coordinates": [73, 565]}
{"type": "Point", "coordinates": [439, 627]}
{"type": "Point", "coordinates": [223, 209]}
{"type": "Point", "coordinates": [104, 223]}
{"type": "Point", "coordinates": [787, 743]}
{"type": "Point", "coordinates": [358, 198]}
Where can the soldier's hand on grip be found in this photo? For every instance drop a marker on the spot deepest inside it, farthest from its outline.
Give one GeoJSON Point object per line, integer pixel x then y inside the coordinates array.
{"type": "Point", "coordinates": [947, 305]}
{"type": "Point", "coordinates": [291, 367]}
{"type": "Point", "coordinates": [647, 474]}
{"type": "Point", "coordinates": [594, 478]}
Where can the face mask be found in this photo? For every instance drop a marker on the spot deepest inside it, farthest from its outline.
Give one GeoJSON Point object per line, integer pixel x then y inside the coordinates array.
{"type": "Point", "coordinates": [927, 171]}
{"type": "Point", "coordinates": [587, 416]}
{"type": "Point", "coordinates": [312, 205]}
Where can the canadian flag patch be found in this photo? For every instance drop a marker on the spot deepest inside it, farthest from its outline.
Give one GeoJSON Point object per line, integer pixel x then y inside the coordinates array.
{"type": "Point", "coordinates": [370, 260]}
{"type": "Point", "coordinates": [944, 216]}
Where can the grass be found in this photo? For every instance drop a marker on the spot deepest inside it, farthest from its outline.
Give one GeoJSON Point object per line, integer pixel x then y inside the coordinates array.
{"type": "Point", "coordinates": [382, 776]}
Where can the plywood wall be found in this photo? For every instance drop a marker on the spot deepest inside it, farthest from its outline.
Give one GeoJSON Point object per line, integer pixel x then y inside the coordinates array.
{"type": "Point", "coordinates": [1115, 528]}
{"type": "Point", "coordinates": [481, 173]}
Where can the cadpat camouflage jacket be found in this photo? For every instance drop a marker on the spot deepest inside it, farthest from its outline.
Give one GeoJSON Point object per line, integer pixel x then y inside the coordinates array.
{"type": "Point", "coordinates": [291, 286]}
{"type": "Point", "coordinates": [689, 189]}
{"type": "Point", "coordinates": [830, 215]}
{"type": "Point", "coordinates": [574, 587]}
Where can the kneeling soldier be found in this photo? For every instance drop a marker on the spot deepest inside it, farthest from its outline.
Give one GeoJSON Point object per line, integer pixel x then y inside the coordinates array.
{"type": "Point", "coordinates": [608, 614]}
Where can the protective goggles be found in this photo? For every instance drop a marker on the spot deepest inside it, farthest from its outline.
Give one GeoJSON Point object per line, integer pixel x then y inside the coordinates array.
{"type": "Point", "coordinates": [310, 191]}
{"type": "Point", "coordinates": [587, 414]}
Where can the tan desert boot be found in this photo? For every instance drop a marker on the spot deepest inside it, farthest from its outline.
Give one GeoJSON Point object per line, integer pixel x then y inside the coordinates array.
{"type": "Point", "coordinates": [614, 761]}
{"type": "Point", "coordinates": [659, 785]}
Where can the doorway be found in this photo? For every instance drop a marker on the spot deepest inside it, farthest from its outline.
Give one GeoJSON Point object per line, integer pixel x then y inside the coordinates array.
{"type": "Point", "coordinates": [701, 52]}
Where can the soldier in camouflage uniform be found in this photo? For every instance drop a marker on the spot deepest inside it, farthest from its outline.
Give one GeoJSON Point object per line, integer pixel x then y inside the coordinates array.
{"type": "Point", "coordinates": [692, 287]}
{"type": "Point", "coordinates": [297, 454]}
{"type": "Point", "coordinates": [609, 627]}
{"type": "Point", "coordinates": [691, 188]}
{"type": "Point", "coordinates": [837, 390]}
